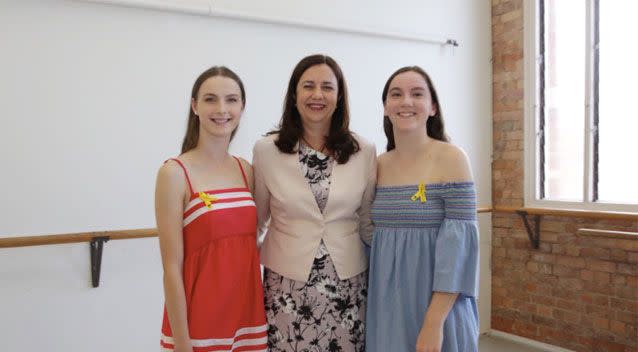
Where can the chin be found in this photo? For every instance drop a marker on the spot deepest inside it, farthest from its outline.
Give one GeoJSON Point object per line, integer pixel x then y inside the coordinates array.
{"type": "Point", "coordinates": [407, 127]}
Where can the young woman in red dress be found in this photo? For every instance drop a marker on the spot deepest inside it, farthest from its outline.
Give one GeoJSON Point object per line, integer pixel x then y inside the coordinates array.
{"type": "Point", "coordinates": [206, 220]}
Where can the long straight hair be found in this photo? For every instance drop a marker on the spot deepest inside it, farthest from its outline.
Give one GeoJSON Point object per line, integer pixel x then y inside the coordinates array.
{"type": "Point", "coordinates": [434, 127]}
{"type": "Point", "coordinates": [192, 127]}
{"type": "Point", "coordinates": [340, 140]}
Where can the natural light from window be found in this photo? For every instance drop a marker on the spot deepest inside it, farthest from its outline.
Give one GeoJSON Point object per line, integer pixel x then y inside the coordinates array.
{"type": "Point", "coordinates": [618, 149]}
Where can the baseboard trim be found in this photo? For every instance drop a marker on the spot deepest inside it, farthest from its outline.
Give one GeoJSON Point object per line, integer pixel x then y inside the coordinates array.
{"type": "Point", "coordinates": [525, 341]}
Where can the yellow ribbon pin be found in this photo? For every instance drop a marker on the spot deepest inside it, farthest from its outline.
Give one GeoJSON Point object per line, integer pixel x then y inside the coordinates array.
{"type": "Point", "coordinates": [420, 194]}
{"type": "Point", "coordinates": [208, 199]}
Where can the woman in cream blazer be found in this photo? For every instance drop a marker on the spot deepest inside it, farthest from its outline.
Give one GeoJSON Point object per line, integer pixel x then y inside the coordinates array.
{"type": "Point", "coordinates": [314, 182]}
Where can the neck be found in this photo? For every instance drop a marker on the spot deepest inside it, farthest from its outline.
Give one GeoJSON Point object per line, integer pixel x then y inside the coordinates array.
{"type": "Point", "coordinates": [410, 145]}
{"type": "Point", "coordinates": [212, 148]}
{"type": "Point", "coordinates": [315, 136]}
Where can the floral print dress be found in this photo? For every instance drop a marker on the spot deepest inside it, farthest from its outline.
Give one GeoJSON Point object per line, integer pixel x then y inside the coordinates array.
{"type": "Point", "coordinates": [325, 313]}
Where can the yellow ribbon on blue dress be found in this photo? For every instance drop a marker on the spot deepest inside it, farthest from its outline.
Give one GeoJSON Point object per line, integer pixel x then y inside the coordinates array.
{"type": "Point", "coordinates": [208, 199]}
{"type": "Point", "coordinates": [420, 194]}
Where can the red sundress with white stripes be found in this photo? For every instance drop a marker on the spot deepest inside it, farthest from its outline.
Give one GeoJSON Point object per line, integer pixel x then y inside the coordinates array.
{"type": "Point", "coordinates": [222, 278]}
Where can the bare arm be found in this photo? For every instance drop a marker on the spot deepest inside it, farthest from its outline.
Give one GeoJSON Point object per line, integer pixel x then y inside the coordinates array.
{"type": "Point", "coordinates": [261, 195]}
{"type": "Point", "coordinates": [250, 177]}
{"type": "Point", "coordinates": [431, 334]}
{"type": "Point", "coordinates": [457, 168]}
{"type": "Point", "coordinates": [169, 207]}
{"type": "Point", "coordinates": [365, 222]}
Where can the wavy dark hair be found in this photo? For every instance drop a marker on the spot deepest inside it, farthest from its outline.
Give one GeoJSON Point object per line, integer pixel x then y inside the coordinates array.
{"type": "Point", "coordinates": [340, 140]}
{"type": "Point", "coordinates": [192, 127]}
{"type": "Point", "coordinates": [434, 126]}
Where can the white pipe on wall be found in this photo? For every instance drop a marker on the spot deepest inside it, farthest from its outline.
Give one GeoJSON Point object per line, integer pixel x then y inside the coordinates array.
{"type": "Point", "coordinates": [204, 7]}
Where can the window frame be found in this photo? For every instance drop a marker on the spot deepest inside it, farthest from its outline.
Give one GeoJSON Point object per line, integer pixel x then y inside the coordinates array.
{"type": "Point", "coordinates": [532, 165]}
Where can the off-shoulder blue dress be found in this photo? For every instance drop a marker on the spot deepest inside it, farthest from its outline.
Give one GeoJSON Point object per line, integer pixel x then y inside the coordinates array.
{"type": "Point", "coordinates": [418, 248]}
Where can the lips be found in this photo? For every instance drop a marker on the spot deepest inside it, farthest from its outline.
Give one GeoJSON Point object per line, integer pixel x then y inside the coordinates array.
{"type": "Point", "coordinates": [220, 121]}
{"type": "Point", "coordinates": [406, 114]}
{"type": "Point", "coordinates": [316, 106]}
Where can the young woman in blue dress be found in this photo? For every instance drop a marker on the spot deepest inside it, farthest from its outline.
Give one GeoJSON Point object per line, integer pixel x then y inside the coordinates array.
{"type": "Point", "coordinates": [424, 256]}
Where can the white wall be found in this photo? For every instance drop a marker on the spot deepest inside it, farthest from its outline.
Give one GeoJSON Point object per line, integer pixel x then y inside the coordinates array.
{"type": "Point", "coordinates": [93, 99]}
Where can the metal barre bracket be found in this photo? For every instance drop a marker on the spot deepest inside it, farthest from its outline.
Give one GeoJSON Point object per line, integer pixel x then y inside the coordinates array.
{"type": "Point", "coordinates": [96, 246]}
{"type": "Point", "coordinates": [533, 234]}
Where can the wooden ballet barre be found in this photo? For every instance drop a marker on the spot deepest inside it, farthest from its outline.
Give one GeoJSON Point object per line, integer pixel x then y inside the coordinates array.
{"type": "Point", "coordinates": [26, 241]}
{"type": "Point", "coordinates": [625, 235]}
{"type": "Point", "coordinates": [591, 214]}
{"type": "Point", "coordinates": [96, 243]}
{"type": "Point", "coordinates": [534, 232]}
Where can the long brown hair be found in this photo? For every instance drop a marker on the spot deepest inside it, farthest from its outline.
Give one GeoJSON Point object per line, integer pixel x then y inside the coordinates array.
{"type": "Point", "coordinates": [192, 128]}
{"type": "Point", "coordinates": [434, 126]}
{"type": "Point", "coordinates": [340, 140]}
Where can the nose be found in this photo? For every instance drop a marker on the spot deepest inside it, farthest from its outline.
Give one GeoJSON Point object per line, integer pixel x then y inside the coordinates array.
{"type": "Point", "coordinates": [317, 93]}
{"type": "Point", "coordinates": [406, 100]}
{"type": "Point", "coordinates": [222, 107]}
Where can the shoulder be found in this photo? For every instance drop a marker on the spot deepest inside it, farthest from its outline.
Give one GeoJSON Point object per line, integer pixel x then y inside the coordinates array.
{"type": "Point", "coordinates": [455, 162]}
{"type": "Point", "coordinates": [171, 175]}
{"type": "Point", "coordinates": [365, 145]}
{"type": "Point", "coordinates": [245, 165]}
{"type": "Point", "coordinates": [385, 158]}
{"type": "Point", "coordinates": [266, 143]}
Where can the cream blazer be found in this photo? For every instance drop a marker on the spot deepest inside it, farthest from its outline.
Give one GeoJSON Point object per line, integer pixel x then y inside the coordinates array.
{"type": "Point", "coordinates": [290, 240]}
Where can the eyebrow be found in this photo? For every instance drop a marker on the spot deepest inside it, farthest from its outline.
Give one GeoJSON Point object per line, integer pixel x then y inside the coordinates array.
{"type": "Point", "coordinates": [411, 89]}
{"type": "Point", "coordinates": [214, 95]}
{"type": "Point", "coordinates": [323, 83]}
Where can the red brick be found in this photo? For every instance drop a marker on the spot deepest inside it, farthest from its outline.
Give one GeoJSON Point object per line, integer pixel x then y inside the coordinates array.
{"type": "Point", "coordinates": [599, 253]}
{"type": "Point", "coordinates": [628, 269]}
{"type": "Point", "coordinates": [548, 301]}
{"type": "Point", "coordinates": [552, 226]}
{"type": "Point", "coordinates": [617, 326]}
{"type": "Point", "coordinates": [601, 323]}
{"type": "Point", "coordinates": [618, 255]}
{"type": "Point", "coordinates": [544, 258]}
{"type": "Point", "coordinates": [627, 292]}
{"type": "Point", "coordinates": [545, 311]}
{"type": "Point", "coordinates": [572, 262]}
{"type": "Point", "coordinates": [602, 277]}
{"type": "Point", "coordinates": [565, 271]}
{"type": "Point", "coordinates": [601, 265]}
{"type": "Point", "coordinates": [624, 304]}
{"type": "Point", "coordinates": [627, 317]}
{"type": "Point", "coordinates": [587, 275]}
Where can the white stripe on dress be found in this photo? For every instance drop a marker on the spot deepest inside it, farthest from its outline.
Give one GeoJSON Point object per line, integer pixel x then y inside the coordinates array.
{"type": "Point", "coordinates": [228, 195]}
{"type": "Point", "coordinates": [218, 206]}
{"type": "Point", "coordinates": [226, 341]}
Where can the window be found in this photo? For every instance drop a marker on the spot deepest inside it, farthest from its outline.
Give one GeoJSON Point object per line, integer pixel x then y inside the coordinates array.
{"type": "Point", "coordinates": [581, 120]}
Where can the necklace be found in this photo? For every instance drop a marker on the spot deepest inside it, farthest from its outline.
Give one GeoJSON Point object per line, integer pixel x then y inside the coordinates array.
{"type": "Point", "coordinates": [323, 146]}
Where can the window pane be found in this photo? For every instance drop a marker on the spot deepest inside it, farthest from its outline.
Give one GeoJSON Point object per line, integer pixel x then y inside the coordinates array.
{"type": "Point", "coordinates": [618, 119]}
{"type": "Point", "coordinates": [564, 99]}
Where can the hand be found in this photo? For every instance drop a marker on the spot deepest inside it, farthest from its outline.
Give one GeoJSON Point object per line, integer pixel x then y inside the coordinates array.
{"type": "Point", "coordinates": [183, 346]}
{"type": "Point", "coordinates": [430, 337]}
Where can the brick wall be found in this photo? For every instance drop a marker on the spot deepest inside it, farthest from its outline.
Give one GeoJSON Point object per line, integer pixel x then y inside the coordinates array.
{"type": "Point", "coordinates": [577, 292]}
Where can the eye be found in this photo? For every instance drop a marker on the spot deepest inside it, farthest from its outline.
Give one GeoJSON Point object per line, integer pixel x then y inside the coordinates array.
{"type": "Point", "coordinates": [308, 86]}
{"type": "Point", "coordinates": [395, 94]}
{"type": "Point", "coordinates": [328, 88]}
{"type": "Point", "coordinates": [209, 99]}
{"type": "Point", "coordinates": [233, 100]}
{"type": "Point", "coordinates": [418, 94]}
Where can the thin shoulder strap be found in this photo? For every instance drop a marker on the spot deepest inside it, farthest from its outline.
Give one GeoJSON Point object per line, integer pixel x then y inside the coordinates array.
{"type": "Point", "coordinates": [243, 174]}
{"type": "Point", "coordinates": [188, 180]}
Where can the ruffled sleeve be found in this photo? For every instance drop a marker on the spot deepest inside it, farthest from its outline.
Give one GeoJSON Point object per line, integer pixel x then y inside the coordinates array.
{"type": "Point", "coordinates": [457, 243]}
